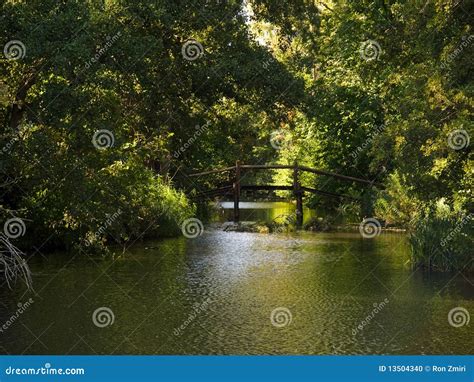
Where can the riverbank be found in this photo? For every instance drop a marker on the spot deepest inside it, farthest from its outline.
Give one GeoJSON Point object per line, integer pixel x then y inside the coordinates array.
{"type": "Point", "coordinates": [272, 227]}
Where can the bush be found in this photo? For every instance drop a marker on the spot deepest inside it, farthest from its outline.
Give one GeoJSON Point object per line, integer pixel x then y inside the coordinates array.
{"type": "Point", "coordinates": [395, 204]}
{"type": "Point", "coordinates": [443, 243]}
{"type": "Point", "coordinates": [99, 205]}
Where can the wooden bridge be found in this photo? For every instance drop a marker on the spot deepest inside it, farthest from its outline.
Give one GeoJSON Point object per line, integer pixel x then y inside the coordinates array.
{"type": "Point", "coordinates": [296, 187]}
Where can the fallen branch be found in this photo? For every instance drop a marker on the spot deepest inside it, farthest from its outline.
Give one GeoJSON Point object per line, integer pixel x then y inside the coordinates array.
{"type": "Point", "coordinates": [13, 264]}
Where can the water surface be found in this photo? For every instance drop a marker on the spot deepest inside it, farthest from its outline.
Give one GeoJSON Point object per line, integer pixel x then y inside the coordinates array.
{"type": "Point", "coordinates": [336, 293]}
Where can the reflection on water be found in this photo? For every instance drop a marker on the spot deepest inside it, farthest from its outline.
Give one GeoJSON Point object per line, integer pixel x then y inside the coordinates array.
{"type": "Point", "coordinates": [215, 295]}
{"type": "Point", "coordinates": [263, 211]}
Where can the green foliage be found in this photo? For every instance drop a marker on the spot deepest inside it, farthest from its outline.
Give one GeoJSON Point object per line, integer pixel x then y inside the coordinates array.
{"type": "Point", "coordinates": [443, 243]}
{"type": "Point", "coordinates": [396, 204]}
{"type": "Point", "coordinates": [389, 117]}
{"type": "Point", "coordinates": [293, 68]}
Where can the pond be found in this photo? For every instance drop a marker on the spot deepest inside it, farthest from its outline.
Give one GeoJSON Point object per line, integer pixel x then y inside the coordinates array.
{"type": "Point", "coordinates": [240, 293]}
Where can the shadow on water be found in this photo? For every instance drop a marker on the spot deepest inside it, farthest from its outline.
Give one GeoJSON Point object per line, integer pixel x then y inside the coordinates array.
{"type": "Point", "coordinates": [240, 293]}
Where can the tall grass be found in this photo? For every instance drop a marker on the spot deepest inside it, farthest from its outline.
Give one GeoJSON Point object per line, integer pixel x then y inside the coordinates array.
{"type": "Point", "coordinates": [443, 243]}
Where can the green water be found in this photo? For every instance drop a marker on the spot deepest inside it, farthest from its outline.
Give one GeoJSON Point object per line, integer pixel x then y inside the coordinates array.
{"type": "Point", "coordinates": [215, 295]}
{"type": "Point", "coordinates": [280, 212]}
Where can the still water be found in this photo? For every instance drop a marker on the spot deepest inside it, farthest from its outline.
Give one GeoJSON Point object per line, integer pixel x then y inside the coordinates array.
{"type": "Point", "coordinates": [330, 293]}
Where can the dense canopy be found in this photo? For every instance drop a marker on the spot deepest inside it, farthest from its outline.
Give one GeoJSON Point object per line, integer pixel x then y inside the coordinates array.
{"type": "Point", "coordinates": [106, 105]}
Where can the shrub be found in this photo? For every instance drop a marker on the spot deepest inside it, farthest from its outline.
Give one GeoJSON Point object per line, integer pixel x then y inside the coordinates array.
{"type": "Point", "coordinates": [443, 242]}
{"type": "Point", "coordinates": [96, 207]}
{"type": "Point", "coordinates": [395, 204]}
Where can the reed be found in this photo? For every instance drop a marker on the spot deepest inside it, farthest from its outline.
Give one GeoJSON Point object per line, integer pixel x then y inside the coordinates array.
{"type": "Point", "coordinates": [443, 243]}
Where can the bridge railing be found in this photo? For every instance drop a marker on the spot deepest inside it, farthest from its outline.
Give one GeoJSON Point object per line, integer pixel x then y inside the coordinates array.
{"type": "Point", "coordinates": [296, 187]}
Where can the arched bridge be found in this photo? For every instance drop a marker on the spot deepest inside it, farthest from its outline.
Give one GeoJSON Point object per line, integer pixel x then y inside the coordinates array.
{"type": "Point", "coordinates": [298, 190]}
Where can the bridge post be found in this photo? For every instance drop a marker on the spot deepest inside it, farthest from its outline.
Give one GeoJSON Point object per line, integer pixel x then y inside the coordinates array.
{"type": "Point", "coordinates": [298, 195]}
{"type": "Point", "coordinates": [237, 192]}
